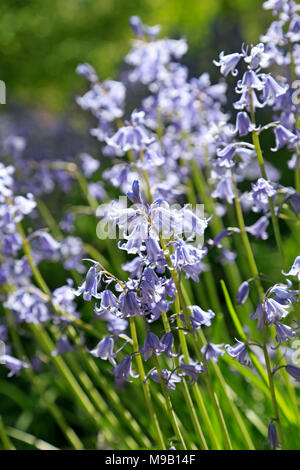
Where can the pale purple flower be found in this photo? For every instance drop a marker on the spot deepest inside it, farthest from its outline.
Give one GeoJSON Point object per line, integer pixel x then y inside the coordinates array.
{"type": "Point", "coordinates": [200, 317]}
{"type": "Point", "coordinates": [295, 269]}
{"type": "Point", "coordinates": [89, 164]}
{"type": "Point", "coordinates": [63, 346]}
{"type": "Point", "coordinates": [243, 293]}
{"type": "Point", "coordinates": [192, 369]}
{"type": "Point", "coordinates": [152, 344]}
{"type": "Point", "coordinates": [169, 378]}
{"type": "Point", "coordinates": [239, 352]}
{"type": "Point", "coordinates": [123, 371]}
{"type": "Point", "coordinates": [293, 371]}
{"type": "Point", "coordinates": [14, 365]}
{"type": "Point", "coordinates": [283, 137]}
{"type": "Point", "coordinates": [258, 229]}
{"type": "Point", "coordinates": [228, 63]}
{"type": "Point", "coordinates": [104, 350]}
{"type": "Point", "coordinates": [212, 351]}
{"type": "Point", "coordinates": [272, 432]}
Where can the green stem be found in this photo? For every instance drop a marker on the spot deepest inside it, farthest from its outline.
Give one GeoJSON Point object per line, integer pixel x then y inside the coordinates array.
{"type": "Point", "coordinates": [271, 384]}
{"type": "Point", "coordinates": [90, 365]}
{"type": "Point", "coordinates": [186, 392]}
{"type": "Point", "coordinates": [217, 409]}
{"type": "Point", "coordinates": [168, 402]}
{"type": "Point", "coordinates": [145, 385]}
{"type": "Point", "coordinates": [54, 410]}
{"type": "Point", "coordinates": [245, 239]}
{"type": "Point", "coordinates": [7, 444]}
{"type": "Point", "coordinates": [255, 274]}
{"type": "Point", "coordinates": [260, 158]}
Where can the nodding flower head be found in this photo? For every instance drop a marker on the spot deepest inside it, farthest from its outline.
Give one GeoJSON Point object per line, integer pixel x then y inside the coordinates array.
{"type": "Point", "coordinates": [293, 371]}
{"type": "Point", "coordinates": [283, 137]}
{"type": "Point", "coordinates": [228, 63]}
{"type": "Point", "coordinates": [295, 269]}
{"type": "Point", "coordinates": [192, 369]}
{"type": "Point", "coordinates": [243, 293]}
{"type": "Point", "coordinates": [212, 351]}
{"type": "Point", "coordinates": [123, 371]}
{"type": "Point", "coordinates": [239, 352]}
{"type": "Point", "coordinates": [104, 350]}
{"type": "Point", "coordinates": [272, 437]}
{"type": "Point", "coordinates": [200, 317]}
{"type": "Point", "coordinates": [129, 305]}
{"type": "Point", "coordinates": [167, 340]}
{"type": "Point", "coordinates": [169, 378]}
{"type": "Point", "coordinates": [284, 332]}
{"type": "Point", "coordinates": [89, 288]}
{"type": "Point", "coordinates": [152, 345]}
{"type": "Point", "coordinates": [258, 229]}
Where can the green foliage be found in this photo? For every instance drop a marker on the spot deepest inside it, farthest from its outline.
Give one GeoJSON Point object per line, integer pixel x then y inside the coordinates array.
{"type": "Point", "coordinates": [42, 42]}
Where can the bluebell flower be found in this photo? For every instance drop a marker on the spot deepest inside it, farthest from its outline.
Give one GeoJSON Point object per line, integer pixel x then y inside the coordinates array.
{"type": "Point", "coordinates": [283, 137]}
{"type": "Point", "coordinates": [140, 29]}
{"type": "Point", "coordinates": [97, 191]}
{"type": "Point", "coordinates": [169, 378]}
{"type": "Point", "coordinates": [239, 352]}
{"type": "Point", "coordinates": [46, 243]}
{"type": "Point", "coordinates": [192, 369]}
{"type": "Point", "coordinates": [271, 311]}
{"type": "Point", "coordinates": [244, 101]}
{"type": "Point", "coordinates": [135, 195]}
{"type": "Point", "coordinates": [6, 180]}
{"type": "Point", "coordinates": [154, 252]}
{"type": "Point", "coordinates": [293, 33]}
{"type": "Point", "coordinates": [28, 307]}
{"type": "Point", "coordinates": [212, 351]}
{"type": "Point", "coordinates": [129, 305]}
{"type": "Point", "coordinates": [260, 194]}
{"type": "Point", "coordinates": [63, 346]}
{"type": "Point", "coordinates": [283, 293]}
{"type": "Point", "coordinates": [89, 164]}
{"type": "Point", "coordinates": [200, 317]}
{"type": "Point", "coordinates": [24, 205]}
{"type": "Point", "coordinates": [256, 56]}
{"type": "Point", "coordinates": [13, 364]}
{"type": "Point", "coordinates": [284, 332]}
{"type": "Point", "coordinates": [243, 124]}
{"type": "Point", "coordinates": [228, 63]}
{"type": "Point", "coordinates": [123, 371]}
{"type": "Point", "coordinates": [258, 229]}
{"type": "Point", "coordinates": [293, 371]}
{"type": "Point", "coordinates": [272, 437]}
{"type": "Point", "coordinates": [168, 340]}
{"type": "Point", "coordinates": [275, 5]}
{"type": "Point", "coordinates": [151, 159]}
{"type": "Point", "coordinates": [224, 190]}
{"type": "Point", "coordinates": [295, 269]}
{"type": "Point", "coordinates": [250, 80]}
{"type": "Point", "coordinates": [89, 287]}
{"type": "Point", "coordinates": [88, 72]}
{"type": "Point", "coordinates": [131, 137]}
{"type": "Point", "coordinates": [152, 344]}
{"type": "Point", "coordinates": [242, 293]}
{"type": "Point", "coordinates": [72, 253]}
{"type": "Point", "coordinates": [104, 350]}
{"type": "Point", "coordinates": [136, 25]}
{"type": "Point", "coordinates": [109, 303]}
{"type": "Point", "coordinates": [272, 89]}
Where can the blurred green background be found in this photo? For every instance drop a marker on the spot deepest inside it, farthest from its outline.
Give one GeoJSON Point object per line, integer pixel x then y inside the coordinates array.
{"type": "Point", "coordinates": [42, 41]}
